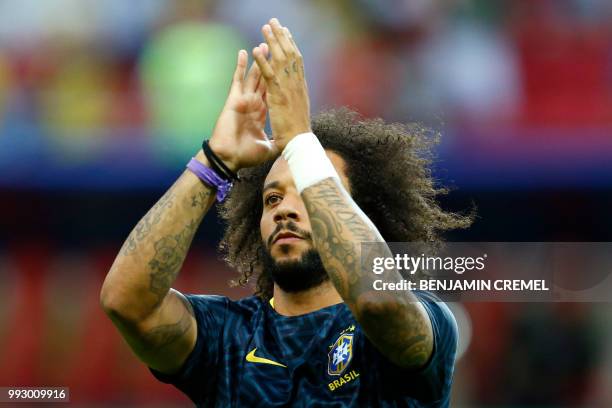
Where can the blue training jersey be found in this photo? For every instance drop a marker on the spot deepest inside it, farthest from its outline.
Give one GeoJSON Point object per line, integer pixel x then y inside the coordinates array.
{"type": "Point", "coordinates": [248, 355]}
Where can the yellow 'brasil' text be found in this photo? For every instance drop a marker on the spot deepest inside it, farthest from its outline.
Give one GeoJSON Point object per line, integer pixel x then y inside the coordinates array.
{"type": "Point", "coordinates": [343, 380]}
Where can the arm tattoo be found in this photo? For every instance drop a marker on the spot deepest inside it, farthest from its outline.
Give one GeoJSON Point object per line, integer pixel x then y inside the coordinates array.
{"type": "Point", "coordinates": [200, 200]}
{"type": "Point", "coordinates": [155, 242]}
{"type": "Point", "coordinates": [170, 252]}
{"type": "Point", "coordinates": [153, 217]}
{"type": "Point", "coordinates": [395, 322]}
{"type": "Point", "coordinates": [164, 335]}
{"type": "Point", "coordinates": [338, 231]}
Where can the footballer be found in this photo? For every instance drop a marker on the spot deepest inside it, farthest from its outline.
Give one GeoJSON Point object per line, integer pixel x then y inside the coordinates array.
{"type": "Point", "coordinates": [297, 207]}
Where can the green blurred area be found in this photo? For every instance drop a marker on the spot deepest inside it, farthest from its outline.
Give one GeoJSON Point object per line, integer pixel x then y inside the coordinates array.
{"type": "Point", "coordinates": [186, 71]}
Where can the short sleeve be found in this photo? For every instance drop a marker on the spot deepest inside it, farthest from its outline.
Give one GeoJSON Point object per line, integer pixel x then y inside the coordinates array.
{"type": "Point", "coordinates": [431, 384]}
{"type": "Point", "coordinates": [196, 377]}
{"type": "Point", "coordinates": [437, 374]}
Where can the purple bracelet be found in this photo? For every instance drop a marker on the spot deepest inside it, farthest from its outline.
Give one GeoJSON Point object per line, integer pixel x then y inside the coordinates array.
{"type": "Point", "coordinates": [210, 177]}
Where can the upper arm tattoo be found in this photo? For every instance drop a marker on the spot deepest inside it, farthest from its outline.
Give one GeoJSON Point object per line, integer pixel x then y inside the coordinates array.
{"type": "Point", "coordinates": [164, 335]}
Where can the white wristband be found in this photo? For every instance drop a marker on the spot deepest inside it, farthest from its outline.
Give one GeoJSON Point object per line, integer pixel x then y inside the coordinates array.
{"type": "Point", "coordinates": [307, 161]}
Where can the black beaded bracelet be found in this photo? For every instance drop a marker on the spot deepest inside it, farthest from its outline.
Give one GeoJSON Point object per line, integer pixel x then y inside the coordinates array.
{"type": "Point", "coordinates": [217, 164]}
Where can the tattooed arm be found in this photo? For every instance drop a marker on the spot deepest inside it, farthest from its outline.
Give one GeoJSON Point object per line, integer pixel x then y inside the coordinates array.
{"type": "Point", "coordinates": [396, 322]}
{"type": "Point", "coordinates": [158, 322]}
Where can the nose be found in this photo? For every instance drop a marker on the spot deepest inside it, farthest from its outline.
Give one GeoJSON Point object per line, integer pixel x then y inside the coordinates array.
{"type": "Point", "coordinates": [286, 211]}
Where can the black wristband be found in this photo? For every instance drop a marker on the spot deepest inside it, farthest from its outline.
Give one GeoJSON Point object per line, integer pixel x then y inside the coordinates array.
{"type": "Point", "coordinates": [217, 164]}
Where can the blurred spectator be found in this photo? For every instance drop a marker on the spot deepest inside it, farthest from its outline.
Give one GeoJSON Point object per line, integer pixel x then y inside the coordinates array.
{"type": "Point", "coordinates": [558, 345]}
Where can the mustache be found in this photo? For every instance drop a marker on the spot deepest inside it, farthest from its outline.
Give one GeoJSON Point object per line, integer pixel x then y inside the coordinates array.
{"type": "Point", "coordinates": [288, 226]}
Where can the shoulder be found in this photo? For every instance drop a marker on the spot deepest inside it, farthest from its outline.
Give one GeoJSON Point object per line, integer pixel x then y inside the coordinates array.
{"type": "Point", "coordinates": [251, 303]}
{"type": "Point", "coordinates": [432, 382]}
{"type": "Point", "coordinates": [222, 306]}
{"type": "Point", "coordinates": [207, 301]}
{"type": "Point", "coordinates": [442, 320]}
{"type": "Point", "coordinates": [437, 374]}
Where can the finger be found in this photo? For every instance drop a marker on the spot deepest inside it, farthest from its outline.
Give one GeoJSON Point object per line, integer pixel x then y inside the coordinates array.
{"type": "Point", "coordinates": [254, 76]}
{"type": "Point", "coordinates": [275, 48]}
{"type": "Point", "coordinates": [281, 37]}
{"type": "Point", "coordinates": [264, 66]}
{"type": "Point", "coordinates": [261, 88]}
{"type": "Point", "coordinates": [240, 70]}
{"type": "Point", "coordinates": [297, 63]}
{"type": "Point", "coordinates": [266, 52]}
{"type": "Point", "coordinates": [292, 41]}
{"type": "Point", "coordinates": [264, 47]}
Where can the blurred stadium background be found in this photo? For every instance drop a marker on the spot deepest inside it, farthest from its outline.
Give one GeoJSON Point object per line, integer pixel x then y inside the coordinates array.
{"type": "Point", "coordinates": [103, 102]}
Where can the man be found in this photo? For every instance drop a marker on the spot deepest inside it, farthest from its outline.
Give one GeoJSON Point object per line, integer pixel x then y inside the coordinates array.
{"type": "Point", "coordinates": [315, 333]}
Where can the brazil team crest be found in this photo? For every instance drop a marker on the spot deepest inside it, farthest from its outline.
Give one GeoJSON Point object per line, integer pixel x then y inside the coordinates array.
{"type": "Point", "coordinates": [340, 354]}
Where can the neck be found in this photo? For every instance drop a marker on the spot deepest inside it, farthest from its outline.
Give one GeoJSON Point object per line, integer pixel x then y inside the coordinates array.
{"type": "Point", "coordinates": [295, 304]}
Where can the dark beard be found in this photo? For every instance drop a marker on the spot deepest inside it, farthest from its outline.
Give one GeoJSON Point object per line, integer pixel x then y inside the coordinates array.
{"type": "Point", "coordinates": [296, 276]}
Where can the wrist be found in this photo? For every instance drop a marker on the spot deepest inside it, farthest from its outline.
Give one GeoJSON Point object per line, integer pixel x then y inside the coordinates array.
{"type": "Point", "coordinates": [308, 161]}
{"type": "Point", "coordinates": [201, 157]}
{"type": "Point", "coordinates": [222, 153]}
{"type": "Point", "coordinates": [288, 136]}
{"type": "Point", "coordinates": [199, 166]}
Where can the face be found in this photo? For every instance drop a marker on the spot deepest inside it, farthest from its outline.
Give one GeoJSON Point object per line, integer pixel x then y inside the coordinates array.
{"type": "Point", "coordinates": [285, 227]}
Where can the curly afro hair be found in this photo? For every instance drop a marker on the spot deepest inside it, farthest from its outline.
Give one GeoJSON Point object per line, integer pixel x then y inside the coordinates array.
{"type": "Point", "coordinates": [388, 167]}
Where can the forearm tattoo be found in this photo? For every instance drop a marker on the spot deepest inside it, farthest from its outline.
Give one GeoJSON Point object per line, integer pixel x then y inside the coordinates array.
{"type": "Point", "coordinates": [338, 231]}
{"type": "Point", "coordinates": [152, 218]}
{"type": "Point", "coordinates": [394, 322]}
{"type": "Point", "coordinates": [170, 252]}
{"type": "Point", "coordinates": [156, 242]}
{"type": "Point", "coordinates": [200, 200]}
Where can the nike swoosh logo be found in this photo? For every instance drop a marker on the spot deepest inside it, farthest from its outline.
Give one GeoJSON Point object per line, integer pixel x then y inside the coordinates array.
{"type": "Point", "coordinates": [252, 358]}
